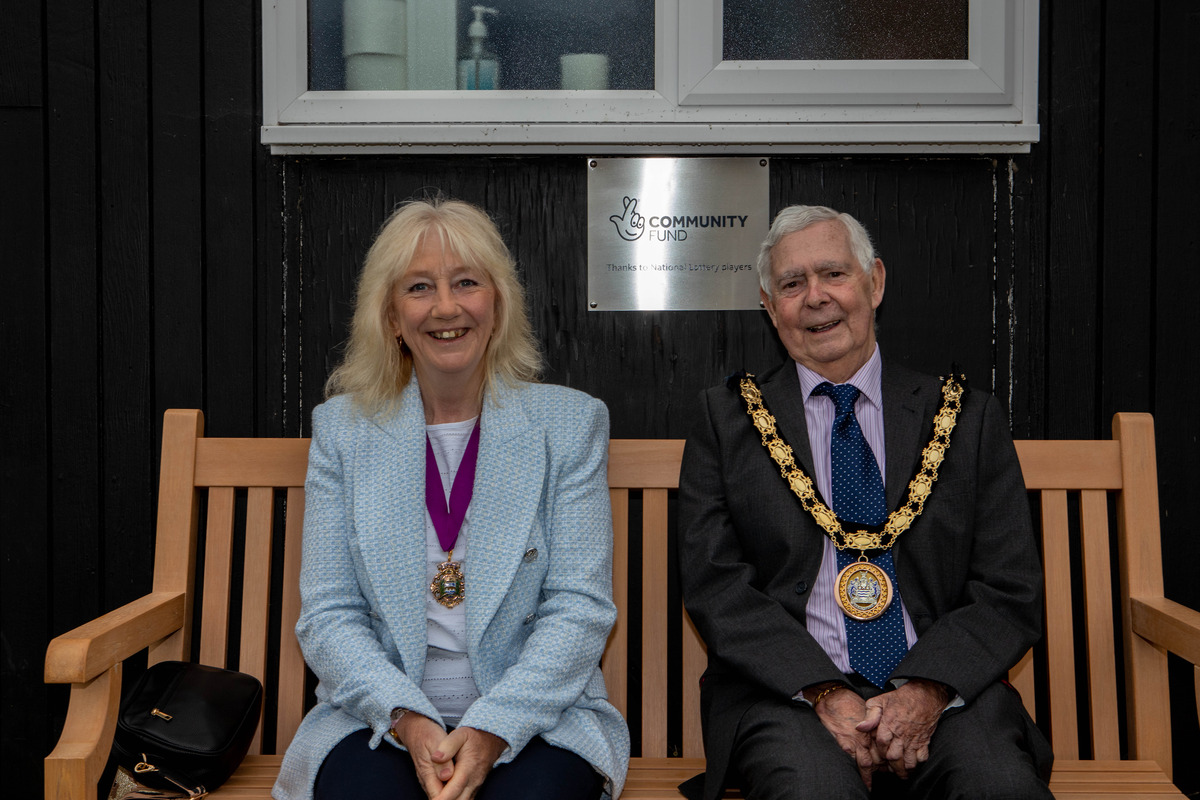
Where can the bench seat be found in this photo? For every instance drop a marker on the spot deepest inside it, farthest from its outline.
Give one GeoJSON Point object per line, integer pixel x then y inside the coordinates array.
{"type": "Point", "coordinates": [235, 506]}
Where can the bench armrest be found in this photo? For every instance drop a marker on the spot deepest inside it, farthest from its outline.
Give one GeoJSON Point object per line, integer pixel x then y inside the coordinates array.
{"type": "Point", "coordinates": [1167, 624]}
{"type": "Point", "coordinates": [80, 655]}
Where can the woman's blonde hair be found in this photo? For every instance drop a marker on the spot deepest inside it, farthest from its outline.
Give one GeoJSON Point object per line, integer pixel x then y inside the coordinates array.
{"type": "Point", "coordinates": [376, 368]}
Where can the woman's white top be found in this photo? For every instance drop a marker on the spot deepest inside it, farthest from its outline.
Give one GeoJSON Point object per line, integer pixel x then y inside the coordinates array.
{"type": "Point", "coordinates": [448, 682]}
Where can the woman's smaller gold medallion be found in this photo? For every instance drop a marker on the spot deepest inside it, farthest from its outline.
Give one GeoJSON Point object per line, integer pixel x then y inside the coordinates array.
{"type": "Point", "coordinates": [449, 585]}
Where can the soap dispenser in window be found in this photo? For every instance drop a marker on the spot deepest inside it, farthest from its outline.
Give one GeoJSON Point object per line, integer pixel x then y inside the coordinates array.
{"type": "Point", "coordinates": [481, 70]}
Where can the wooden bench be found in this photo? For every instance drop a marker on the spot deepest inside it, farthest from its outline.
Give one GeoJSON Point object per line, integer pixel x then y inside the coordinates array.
{"type": "Point", "coordinates": [247, 497]}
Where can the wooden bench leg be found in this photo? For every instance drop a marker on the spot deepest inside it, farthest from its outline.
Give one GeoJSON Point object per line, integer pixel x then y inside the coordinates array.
{"type": "Point", "coordinates": [74, 767]}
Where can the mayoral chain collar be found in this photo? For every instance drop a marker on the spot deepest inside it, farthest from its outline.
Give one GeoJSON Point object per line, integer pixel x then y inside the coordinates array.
{"type": "Point", "coordinates": [919, 488]}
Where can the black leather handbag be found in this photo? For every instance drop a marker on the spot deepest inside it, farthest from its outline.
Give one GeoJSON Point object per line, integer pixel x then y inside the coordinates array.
{"type": "Point", "coordinates": [187, 726]}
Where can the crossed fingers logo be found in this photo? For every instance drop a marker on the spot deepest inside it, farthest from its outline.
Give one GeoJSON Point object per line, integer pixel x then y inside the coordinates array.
{"type": "Point", "coordinates": [630, 224]}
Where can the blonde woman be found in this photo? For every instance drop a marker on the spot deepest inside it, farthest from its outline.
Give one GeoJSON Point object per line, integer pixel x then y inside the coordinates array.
{"type": "Point", "coordinates": [456, 579]}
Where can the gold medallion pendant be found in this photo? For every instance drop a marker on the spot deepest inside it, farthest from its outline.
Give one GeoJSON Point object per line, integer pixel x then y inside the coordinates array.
{"type": "Point", "coordinates": [449, 584]}
{"type": "Point", "coordinates": [864, 591]}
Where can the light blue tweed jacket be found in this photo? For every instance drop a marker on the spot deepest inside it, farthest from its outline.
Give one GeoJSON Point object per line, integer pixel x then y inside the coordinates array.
{"type": "Point", "coordinates": [538, 578]}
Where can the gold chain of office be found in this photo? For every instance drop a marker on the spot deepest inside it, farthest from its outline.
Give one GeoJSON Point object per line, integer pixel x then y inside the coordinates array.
{"type": "Point", "coordinates": [919, 488]}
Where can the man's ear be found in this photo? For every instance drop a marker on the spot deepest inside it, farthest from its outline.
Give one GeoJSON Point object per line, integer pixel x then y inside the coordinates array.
{"type": "Point", "coordinates": [768, 305]}
{"type": "Point", "coordinates": [878, 278]}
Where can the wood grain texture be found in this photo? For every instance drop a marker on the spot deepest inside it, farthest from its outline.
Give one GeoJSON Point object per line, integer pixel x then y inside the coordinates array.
{"type": "Point", "coordinates": [615, 662]}
{"type": "Point", "coordinates": [1174, 384]}
{"type": "Point", "coordinates": [128, 422]}
{"type": "Point", "coordinates": [230, 147]}
{"type": "Point", "coordinates": [83, 749]}
{"type": "Point", "coordinates": [1072, 189]}
{"type": "Point", "coordinates": [1127, 237]}
{"type": "Point", "coordinates": [655, 670]}
{"type": "Point", "coordinates": [73, 482]}
{"type": "Point", "coordinates": [21, 56]}
{"type": "Point", "coordinates": [80, 655]}
{"type": "Point", "coordinates": [218, 576]}
{"type": "Point", "coordinates": [176, 179]}
{"type": "Point", "coordinates": [1169, 625]}
{"type": "Point", "coordinates": [25, 426]}
{"type": "Point", "coordinates": [292, 700]}
{"type": "Point", "coordinates": [99, 645]}
{"type": "Point", "coordinates": [1099, 611]}
{"type": "Point", "coordinates": [256, 586]}
{"type": "Point", "coordinates": [1060, 639]}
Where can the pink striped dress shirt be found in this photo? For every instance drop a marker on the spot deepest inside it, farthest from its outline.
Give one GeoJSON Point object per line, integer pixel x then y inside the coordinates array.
{"type": "Point", "coordinates": [824, 617]}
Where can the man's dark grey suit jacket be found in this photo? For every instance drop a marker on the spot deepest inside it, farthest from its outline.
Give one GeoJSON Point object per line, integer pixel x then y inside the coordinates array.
{"type": "Point", "coordinates": [968, 568]}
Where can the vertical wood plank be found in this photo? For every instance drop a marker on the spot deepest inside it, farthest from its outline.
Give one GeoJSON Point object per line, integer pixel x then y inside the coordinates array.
{"type": "Point", "coordinates": [25, 511]}
{"type": "Point", "coordinates": [218, 574]}
{"type": "Point", "coordinates": [1128, 235]}
{"type": "Point", "coordinates": [615, 663]}
{"type": "Point", "coordinates": [291, 660]}
{"type": "Point", "coordinates": [1173, 391]}
{"type": "Point", "coordinates": [1056, 556]}
{"type": "Point", "coordinates": [128, 417]}
{"type": "Point", "coordinates": [21, 59]}
{"type": "Point", "coordinates": [278, 411]}
{"type": "Point", "coordinates": [72, 771]}
{"type": "Point", "coordinates": [72, 312]}
{"type": "Point", "coordinates": [230, 144]}
{"type": "Point", "coordinates": [1023, 677]}
{"type": "Point", "coordinates": [256, 590]}
{"type": "Point", "coordinates": [1072, 207]}
{"type": "Point", "coordinates": [695, 660]}
{"type": "Point", "coordinates": [178, 523]}
{"type": "Point", "coordinates": [176, 192]}
{"type": "Point", "coordinates": [74, 484]}
{"type": "Point", "coordinates": [655, 684]}
{"type": "Point", "coordinates": [1102, 654]}
{"type": "Point", "coordinates": [1141, 575]}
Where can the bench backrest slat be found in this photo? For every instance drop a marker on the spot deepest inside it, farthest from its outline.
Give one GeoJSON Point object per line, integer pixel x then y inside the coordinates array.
{"type": "Point", "coordinates": [1056, 558]}
{"type": "Point", "coordinates": [655, 613]}
{"type": "Point", "coordinates": [615, 663]}
{"type": "Point", "coordinates": [1102, 663]}
{"type": "Point", "coordinates": [291, 660]}
{"type": "Point", "coordinates": [695, 659]}
{"type": "Point", "coordinates": [256, 587]}
{"type": "Point", "coordinates": [1070, 484]}
{"type": "Point", "coordinates": [218, 573]}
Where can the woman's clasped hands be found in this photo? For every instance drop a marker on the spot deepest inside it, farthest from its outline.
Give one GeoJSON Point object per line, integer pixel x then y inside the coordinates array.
{"type": "Point", "coordinates": [450, 766]}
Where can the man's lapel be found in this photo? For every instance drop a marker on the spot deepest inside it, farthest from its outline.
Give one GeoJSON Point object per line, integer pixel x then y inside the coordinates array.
{"type": "Point", "coordinates": [907, 413]}
{"type": "Point", "coordinates": [784, 398]}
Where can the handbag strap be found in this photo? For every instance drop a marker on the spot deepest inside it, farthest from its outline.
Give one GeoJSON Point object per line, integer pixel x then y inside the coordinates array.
{"type": "Point", "coordinates": [127, 787]}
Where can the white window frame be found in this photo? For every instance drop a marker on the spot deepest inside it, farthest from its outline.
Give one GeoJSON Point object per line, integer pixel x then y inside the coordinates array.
{"type": "Point", "coordinates": [986, 103]}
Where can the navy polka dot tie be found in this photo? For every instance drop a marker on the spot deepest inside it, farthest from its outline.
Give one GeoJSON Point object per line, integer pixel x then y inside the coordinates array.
{"type": "Point", "coordinates": [876, 646]}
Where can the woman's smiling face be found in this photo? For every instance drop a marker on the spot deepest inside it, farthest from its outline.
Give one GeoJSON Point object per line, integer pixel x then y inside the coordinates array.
{"type": "Point", "coordinates": [445, 312]}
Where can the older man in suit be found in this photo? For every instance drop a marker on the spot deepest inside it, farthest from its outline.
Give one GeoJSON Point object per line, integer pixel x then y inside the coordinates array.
{"type": "Point", "coordinates": [846, 653]}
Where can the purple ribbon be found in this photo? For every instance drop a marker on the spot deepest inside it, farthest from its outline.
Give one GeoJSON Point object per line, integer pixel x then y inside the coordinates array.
{"type": "Point", "coordinates": [448, 516]}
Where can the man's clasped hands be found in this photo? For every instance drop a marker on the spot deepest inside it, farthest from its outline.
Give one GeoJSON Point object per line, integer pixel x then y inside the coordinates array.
{"type": "Point", "coordinates": [890, 731]}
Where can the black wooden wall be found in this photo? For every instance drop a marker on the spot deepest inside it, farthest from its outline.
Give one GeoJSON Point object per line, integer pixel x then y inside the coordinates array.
{"type": "Point", "coordinates": [154, 255]}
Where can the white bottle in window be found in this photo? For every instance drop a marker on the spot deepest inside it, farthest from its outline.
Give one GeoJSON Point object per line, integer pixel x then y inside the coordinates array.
{"type": "Point", "coordinates": [481, 70]}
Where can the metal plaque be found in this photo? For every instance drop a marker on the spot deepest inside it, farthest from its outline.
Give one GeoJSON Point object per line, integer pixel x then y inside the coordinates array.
{"type": "Point", "coordinates": [675, 234]}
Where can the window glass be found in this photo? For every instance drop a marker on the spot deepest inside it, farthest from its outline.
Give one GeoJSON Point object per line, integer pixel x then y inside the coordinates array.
{"type": "Point", "coordinates": [840, 30]}
{"type": "Point", "coordinates": [532, 45]}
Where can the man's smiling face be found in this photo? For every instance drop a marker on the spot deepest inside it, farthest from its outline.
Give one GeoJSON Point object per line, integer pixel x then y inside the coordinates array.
{"type": "Point", "coordinates": [822, 302]}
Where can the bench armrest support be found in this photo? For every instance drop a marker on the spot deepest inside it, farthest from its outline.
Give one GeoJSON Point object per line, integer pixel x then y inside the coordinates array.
{"type": "Point", "coordinates": [73, 769]}
{"type": "Point", "coordinates": [81, 655]}
{"type": "Point", "coordinates": [1167, 624]}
